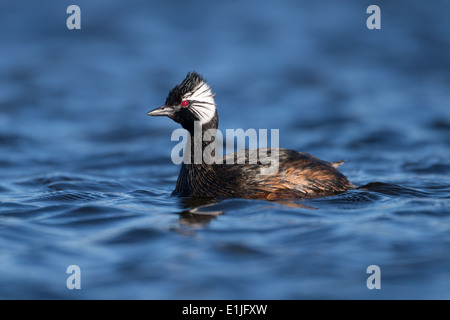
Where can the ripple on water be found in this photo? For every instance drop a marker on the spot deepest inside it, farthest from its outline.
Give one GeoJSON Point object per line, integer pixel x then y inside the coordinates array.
{"type": "Point", "coordinates": [89, 215]}
{"type": "Point", "coordinates": [134, 235]}
{"type": "Point", "coordinates": [94, 191]}
{"type": "Point", "coordinates": [424, 168]}
{"type": "Point", "coordinates": [352, 199]}
{"type": "Point", "coordinates": [46, 180]}
{"type": "Point", "coordinates": [3, 189]}
{"type": "Point", "coordinates": [394, 190]}
{"type": "Point", "coordinates": [64, 182]}
{"type": "Point", "coordinates": [68, 197]}
{"type": "Point", "coordinates": [13, 140]}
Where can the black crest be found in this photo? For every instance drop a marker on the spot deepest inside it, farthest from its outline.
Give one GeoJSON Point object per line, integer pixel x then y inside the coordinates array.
{"type": "Point", "coordinates": [192, 81]}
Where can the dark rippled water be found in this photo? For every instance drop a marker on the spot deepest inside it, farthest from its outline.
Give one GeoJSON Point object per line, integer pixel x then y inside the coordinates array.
{"type": "Point", "coordinates": [86, 176]}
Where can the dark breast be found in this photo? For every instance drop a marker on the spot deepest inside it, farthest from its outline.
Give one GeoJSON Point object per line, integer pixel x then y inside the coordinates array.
{"type": "Point", "coordinates": [299, 175]}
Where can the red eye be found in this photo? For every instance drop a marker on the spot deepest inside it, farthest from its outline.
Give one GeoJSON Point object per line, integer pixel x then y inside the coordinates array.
{"type": "Point", "coordinates": [184, 103]}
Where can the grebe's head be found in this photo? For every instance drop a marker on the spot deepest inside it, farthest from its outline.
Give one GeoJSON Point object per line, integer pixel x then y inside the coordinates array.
{"type": "Point", "coordinates": [189, 101]}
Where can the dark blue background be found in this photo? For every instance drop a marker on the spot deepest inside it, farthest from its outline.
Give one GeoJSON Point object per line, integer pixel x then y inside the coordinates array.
{"type": "Point", "coordinates": [86, 176]}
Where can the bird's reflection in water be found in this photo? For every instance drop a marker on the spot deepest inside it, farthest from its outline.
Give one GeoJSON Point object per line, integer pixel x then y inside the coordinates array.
{"type": "Point", "coordinates": [198, 212]}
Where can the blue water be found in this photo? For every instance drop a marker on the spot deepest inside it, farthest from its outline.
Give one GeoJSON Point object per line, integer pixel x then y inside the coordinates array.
{"type": "Point", "coordinates": [86, 176]}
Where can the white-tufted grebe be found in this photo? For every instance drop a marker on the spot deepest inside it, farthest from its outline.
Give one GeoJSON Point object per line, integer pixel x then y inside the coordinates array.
{"type": "Point", "coordinates": [299, 175]}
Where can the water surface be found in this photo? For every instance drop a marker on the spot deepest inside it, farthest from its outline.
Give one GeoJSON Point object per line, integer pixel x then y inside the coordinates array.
{"type": "Point", "coordinates": [86, 176]}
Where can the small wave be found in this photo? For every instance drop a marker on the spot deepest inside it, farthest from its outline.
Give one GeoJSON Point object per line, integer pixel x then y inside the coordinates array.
{"type": "Point", "coordinates": [239, 249]}
{"type": "Point", "coordinates": [88, 215]}
{"type": "Point", "coordinates": [68, 197]}
{"type": "Point", "coordinates": [4, 163]}
{"type": "Point", "coordinates": [435, 168]}
{"type": "Point", "coordinates": [352, 199]}
{"type": "Point", "coordinates": [440, 125]}
{"type": "Point", "coordinates": [394, 190]}
{"type": "Point", "coordinates": [135, 235]}
{"type": "Point", "coordinates": [384, 139]}
{"type": "Point", "coordinates": [47, 180]}
{"type": "Point", "coordinates": [13, 140]}
{"type": "Point", "coordinates": [143, 193]}
{"type": "Point", "coordinates": [74, 183]}
{"type": "Point", "coordinates": [13, 208]}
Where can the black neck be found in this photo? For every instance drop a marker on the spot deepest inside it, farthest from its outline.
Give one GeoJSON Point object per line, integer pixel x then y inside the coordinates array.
{"type": "Point", "coordinates": [198, 178]}
{"type": "Point", "coordinates": [202, 151]}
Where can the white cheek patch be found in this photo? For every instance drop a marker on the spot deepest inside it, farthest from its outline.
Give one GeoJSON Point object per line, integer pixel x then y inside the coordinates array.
{"type": "Point", "coordinates": [202, 102]}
